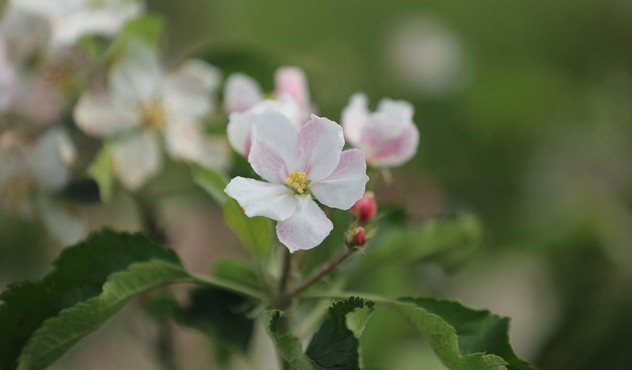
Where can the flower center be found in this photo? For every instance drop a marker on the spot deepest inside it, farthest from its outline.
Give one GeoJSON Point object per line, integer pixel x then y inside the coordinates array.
{"type": "Point", "coordinates": [297, 181]}
{"type": "Point", "coordinates": [96, 3]}
{"type": "Point", "coordinates": [153, 115]}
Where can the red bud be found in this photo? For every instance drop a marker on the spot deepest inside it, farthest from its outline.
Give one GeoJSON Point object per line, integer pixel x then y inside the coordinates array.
{"type": "Point", "coordinates": [366, 208]}
{"type": "Point", "coordinates": [359, 238]}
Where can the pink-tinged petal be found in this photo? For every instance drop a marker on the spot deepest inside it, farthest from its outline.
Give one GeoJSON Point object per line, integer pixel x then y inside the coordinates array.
{"type": "Point", "coordinates": [274, 147]}
{"type": "Point", "coordinates": [307, 228]}
{"type": "Point", "coordinates": [393, 152]}
{"type": "Point", "coordinates": [320, 144]}
{"type": "Point", "coordinates": [354, 117]}
{"type": "Point", "coordinates": [345, 186]}
{"type": "Point", "coordinates": [241, 93]}
{"type": "Point", "coordinates": [293, 82]}
{"type": "Point", "coordinates": [137, 158]}
{"type": "Point", "coordinates": [98, 115]}
{"type": "Point", "coordinates": [259, 198]}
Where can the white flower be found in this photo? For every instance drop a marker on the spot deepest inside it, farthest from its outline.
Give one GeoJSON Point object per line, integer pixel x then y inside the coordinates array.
{"type": "Point", "coordinates": [69, 20]}
{"type": "Point", "coordinates": [244, 100]}
{"type": "Point", "coordinates": [299, 165]}
{"type": "Point", "coordinates": [27, 166]}
{"type": "Point", "coordinates": [144, 101]}
{"type": "Point", "coordinates": [388, 136]}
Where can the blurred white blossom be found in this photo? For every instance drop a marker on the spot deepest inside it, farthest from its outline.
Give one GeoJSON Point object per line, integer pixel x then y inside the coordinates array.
{"type": "Point", "coordinates": [144, 101]}
{"type": "Point", "coordinates": [69, 20]}
{"type": "Point", "coordinates": [425, 55]}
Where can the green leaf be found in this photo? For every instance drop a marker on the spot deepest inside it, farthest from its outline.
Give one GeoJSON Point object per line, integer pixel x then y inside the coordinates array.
{"type": "Point", "coordinates": [462, 338]}
{"type": "Point", "coordinates": [212, 181]}
{"type": "Point", "coordinates": [254, 232]}
{"type": "Point", "coordinates": [147, 28]}
{"type": "Point", "coordinates": [448, 241]}
{"type": "Point", "coordinates": [89, 283]}
{"type": "Point", "coordinates": [288, 346]}
{"type": "Point", "coordinates": [237, 270]}
{"type": "Point", "coordinates": [336, 345]}
{"type": "Point", "coordinates": [102, 171]}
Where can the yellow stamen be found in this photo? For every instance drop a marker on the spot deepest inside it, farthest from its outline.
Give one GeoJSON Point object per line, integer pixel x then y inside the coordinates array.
{"type": "Point", "coordinates": [297, 181]}
{"type": "Point", "coordinates": [154, 115]}
{"type": "Point", "coordinates": [97, 3]}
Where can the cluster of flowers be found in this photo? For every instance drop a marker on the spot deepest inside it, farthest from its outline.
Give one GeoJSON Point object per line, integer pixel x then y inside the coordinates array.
{"type": "Point", "coordinates": [141, 107]}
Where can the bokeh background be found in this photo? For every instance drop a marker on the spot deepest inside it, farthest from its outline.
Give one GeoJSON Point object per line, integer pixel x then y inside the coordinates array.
{"type": "Point", "coordinates": [525, 115]}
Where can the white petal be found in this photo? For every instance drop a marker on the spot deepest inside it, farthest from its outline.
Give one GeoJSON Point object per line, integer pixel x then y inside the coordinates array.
{"type": "Point", "coordinates": [307, 227]}
{"type": "Point", "coordinates": [137, 75]}
{"type": "Point", "coordinates": [390, 152]}
{"type": "Point", "coordinates": [240, 123]}
{"type": "Point", "coordinates": [53, 154]}
{"type": "Point", "coordinates": [273, 154]}
{"type": "Point", "coordinates": [241, 93]}
{"type": "Point", "coordinates": [259, 198]}
{"type": "Point", "coordinates": [293, 82]}
{"type": "Point", "coordinates": [66, 224]}
{"type": "Point", "coordinates": [391, 118]}
{"type": "Point", "coordinates": [46, 9]}
{"type": "Point", "coordinates": [239, 131]}
{"type": "Point", "coordinates": [187, 141]}
{"type": "Point", "coordinates": [137, 158]}
{"type": "Point", "coordinates": [320, 144]}
{"type": "Point", "coordinates": [98, 115]}
{"type": "Point", "coordinates": [346, 185]}
{"type": "Point", "coordinates": [354, 116]}
{"type": "Point", "coordinates": [396, 110]}
{"type": "Point", "coordinates": [189, 90]}
{"type": "Point", "coordinates": [69, 27]}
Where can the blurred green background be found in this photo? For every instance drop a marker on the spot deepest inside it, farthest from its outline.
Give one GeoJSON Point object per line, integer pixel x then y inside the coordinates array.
{"type": "Point", "coordinates": [525, 115]}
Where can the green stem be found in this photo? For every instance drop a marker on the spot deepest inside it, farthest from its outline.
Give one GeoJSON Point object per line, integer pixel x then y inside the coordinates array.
{"type": "Point", "coordinates": [286, 267]}
{"type": "Point", "coordinates": [326, 270]}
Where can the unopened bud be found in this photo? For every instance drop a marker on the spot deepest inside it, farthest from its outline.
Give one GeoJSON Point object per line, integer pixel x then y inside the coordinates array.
{"type": "Point", "coordinates": [359, 237]}
{"type": "Point", "coordinates": [366, 208]}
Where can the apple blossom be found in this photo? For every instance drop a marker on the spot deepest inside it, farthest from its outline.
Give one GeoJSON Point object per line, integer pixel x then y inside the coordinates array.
{"type": "Point", "coordinates": [243, 99]}
{"type": "Point", "coordinates": [69, 20]}
{"type": "Point", "coordinates": [388, 136]}
{"type": "Point", "coordinates": [144, 101]}
{"type": "Point", "coordinates": [299, 165]}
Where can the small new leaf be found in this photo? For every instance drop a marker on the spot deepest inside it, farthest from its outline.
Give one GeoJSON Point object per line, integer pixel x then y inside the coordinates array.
{"type": "Point", "coordinates": [288, 346]}
{"type": "Point", "coordinates": [102, 171]}
{"type": "Point", "coordinates": [336, 345]}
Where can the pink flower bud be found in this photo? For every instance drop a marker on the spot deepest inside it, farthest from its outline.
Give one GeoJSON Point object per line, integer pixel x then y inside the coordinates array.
{"type": "Point", "coordinates": [366, 208]}
{"type": "Point", "coordinates": [359, 238]}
